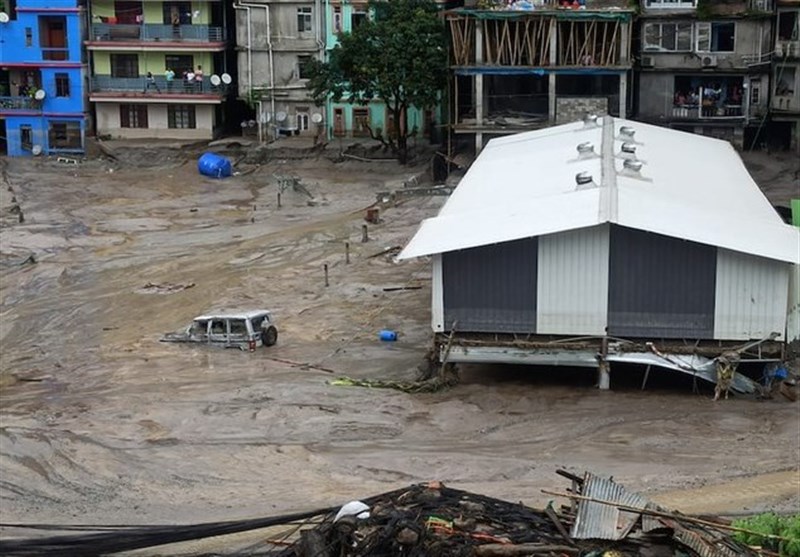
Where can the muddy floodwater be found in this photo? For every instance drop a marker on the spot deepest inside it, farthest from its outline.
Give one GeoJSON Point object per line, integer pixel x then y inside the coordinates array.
{"type": "Point", "coordinates": [101, 423]}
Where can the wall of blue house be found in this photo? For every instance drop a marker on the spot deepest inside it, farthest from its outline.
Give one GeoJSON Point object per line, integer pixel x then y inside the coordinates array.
{"type": "Point", "coordinates": [28, 54]}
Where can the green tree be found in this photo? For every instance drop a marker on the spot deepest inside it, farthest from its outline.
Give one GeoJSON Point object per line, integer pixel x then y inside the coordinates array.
{"type": "Point", "coordinates": [398, 56]}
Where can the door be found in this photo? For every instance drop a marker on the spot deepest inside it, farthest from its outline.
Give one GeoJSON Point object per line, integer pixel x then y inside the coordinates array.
{"type": "Point", "coordinates": [302, 122]}
{"type": "Point", "coordinates": [338, 122]}
{"type": "Point", "coordinates": [128, 12]}
{"type": "Point", "coordinates": [218, 331]}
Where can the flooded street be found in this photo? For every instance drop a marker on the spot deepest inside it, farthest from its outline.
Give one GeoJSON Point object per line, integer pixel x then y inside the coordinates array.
{"type": "Point", "coordinates": [103, 424]}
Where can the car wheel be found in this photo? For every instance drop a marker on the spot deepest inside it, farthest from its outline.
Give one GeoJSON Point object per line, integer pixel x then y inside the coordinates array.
{"type": "Point", "coordinates": [270, 336]}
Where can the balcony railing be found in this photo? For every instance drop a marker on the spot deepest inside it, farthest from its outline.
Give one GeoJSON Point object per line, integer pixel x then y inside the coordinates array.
{"type": "Point", "coordinates": [786, 103]}
{"type": "Point", "coordinates": [787, 48]}
{"type": "Point", "coordinates": [698, 112]}
{"type": "Point", "coordinates": [55, 53]}
{"type": "Point", "coordinates": [159, 86]}
{"type": "Point", "coordinates": [150, 32]}
{"type": "Point", "coordinates": [19, 103]}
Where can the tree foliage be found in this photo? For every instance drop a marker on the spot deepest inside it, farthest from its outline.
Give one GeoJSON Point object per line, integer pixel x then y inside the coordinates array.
{"type": "Point", "coordinates": [398, 56]}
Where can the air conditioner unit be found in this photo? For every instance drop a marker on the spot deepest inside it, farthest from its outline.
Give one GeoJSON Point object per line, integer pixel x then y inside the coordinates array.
{"type": "Point", "coordinates": [648, 62]}
{"type": "Point", "coordinates": [709, 61]}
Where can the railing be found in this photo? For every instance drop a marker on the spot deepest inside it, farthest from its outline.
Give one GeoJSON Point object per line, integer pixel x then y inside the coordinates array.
{"type": "Point", "coordinates": [670, 4]}
{"type": "Point", "coordinates": [697, 112]}
{"type": "Point", "coordinates": [761, 5]}
{"type": "Point", "coordinates": [55, 54]}
{"type": "Point", "coordinates": [786, 103]}
{"type": "Point", "coordinates": [159, 85]}
{"type": "Point", "coordinates": [19, 103]}
{"type": "Point", "coordinates": [787, 48]}
{"type": "Point", "coordinates": [151, 32]}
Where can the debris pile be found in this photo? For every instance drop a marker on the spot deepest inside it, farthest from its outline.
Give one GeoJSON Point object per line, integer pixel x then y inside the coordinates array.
{"type": "Point", "coordinates": [602, 519]}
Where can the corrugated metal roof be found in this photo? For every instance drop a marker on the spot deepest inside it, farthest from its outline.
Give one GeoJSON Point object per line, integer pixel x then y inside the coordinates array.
{"type": "Point", "coordinates": [599, 521]}
{"type": "Point", "coordinates": [690, 186]}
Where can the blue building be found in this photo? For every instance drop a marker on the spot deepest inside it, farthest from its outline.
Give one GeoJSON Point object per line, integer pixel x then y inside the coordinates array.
{"type": "Point", "coordinates": [42, 101]}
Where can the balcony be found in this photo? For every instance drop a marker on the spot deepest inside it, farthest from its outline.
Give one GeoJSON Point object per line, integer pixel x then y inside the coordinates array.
{"type": "Point", "coordinates": [150, 32]}
{"type": "Point", "coordinates": [787, 49]}
{"type": "Point", "coordinates": [785, 103]}
{"type": "Point", "coordinates": [707, 112]}
{"type": "Point", "coordinates": [138, 86]}
{"type": "Point", "coordinates": [19, 103]}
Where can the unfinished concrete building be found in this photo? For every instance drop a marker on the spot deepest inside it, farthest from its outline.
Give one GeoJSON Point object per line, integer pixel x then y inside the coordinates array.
{"type": "Point", "coordinates": [530, 64]}
{"type": "Point", "coordinates": [277, 39]}
{"type": "Point", "coordinates": [705, 66]}
{"type": "Point", "coordinates": [785, 105]}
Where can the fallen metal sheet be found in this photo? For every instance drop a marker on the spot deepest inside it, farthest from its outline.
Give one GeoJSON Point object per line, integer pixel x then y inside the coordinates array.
{"type": "Point", "coordinates": [602, 521]}
{"type": "Point", "coordinates": [706, 544]}
{"type": "Point", "coordinates": [511, 355]}
{"type": "Point", "coordinates": [698, 366]}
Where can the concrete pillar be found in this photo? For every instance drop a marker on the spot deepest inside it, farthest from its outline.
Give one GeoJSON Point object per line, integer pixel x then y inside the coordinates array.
{"type": "Point", "coordinates": [623, 94]}
{"type": "Point", "coordinates": [625, 45]}
{"type": "Point", "coordinates": [551, 98]}
{"type": "Point", "coordinates": [604, 375]}
{"type": "Point", "coordinates": [478, 93]}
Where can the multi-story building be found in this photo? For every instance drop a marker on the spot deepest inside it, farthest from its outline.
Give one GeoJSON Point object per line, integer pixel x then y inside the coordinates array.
{"type": "Point", "coordinates": [705, 66]}
{"type": "Point", "coordinates": [157, 68]}
{"type": "Point", "coordinates": [276, 39]}
{"type": "Point", "coordinates": [785, 105]}
{"type": "Point", "coordinates": [534, 63]}
{"type": "Point", "coordinates": [41, 77]}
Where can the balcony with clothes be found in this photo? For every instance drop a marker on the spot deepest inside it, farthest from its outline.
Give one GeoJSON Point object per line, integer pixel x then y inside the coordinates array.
{"type": "Point", "coordinates": [707, 98]}
{"type": "Point", "coordinates": [156, 23]}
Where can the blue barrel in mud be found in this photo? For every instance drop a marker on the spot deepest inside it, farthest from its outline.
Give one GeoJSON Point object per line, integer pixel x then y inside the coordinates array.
{"type": "Point", "coordinates": [214, 166]}
{"type": "Point", "coordinates": [387, 335]}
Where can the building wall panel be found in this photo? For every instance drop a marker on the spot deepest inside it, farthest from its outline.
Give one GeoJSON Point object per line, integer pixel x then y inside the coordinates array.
{"type": "Point", "coordinates": [491, 288]}
{"type": "Point", "coordinates": [751, 297]}
{"type": "Point", "coordinates": [572, 289]}
{"type": "Point", "coordinates": [660, 287]}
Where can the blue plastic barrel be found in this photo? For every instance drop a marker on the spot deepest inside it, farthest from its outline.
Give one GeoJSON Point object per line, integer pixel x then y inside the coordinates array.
{"type": "Point", "coordinates": [214, 166]}
{"type": "Point", "coordinates": [387, 335]}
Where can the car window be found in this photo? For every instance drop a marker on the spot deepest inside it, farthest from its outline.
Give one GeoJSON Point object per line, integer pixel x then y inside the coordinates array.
{"type": "Point", "coordinates": [199, 327]}
{"type": "Point", "coordinates": [238, 326]}
{"type": "Point", "coordinates": [256, 322]}
{"type": "Point", "coordinates": [218, 327]}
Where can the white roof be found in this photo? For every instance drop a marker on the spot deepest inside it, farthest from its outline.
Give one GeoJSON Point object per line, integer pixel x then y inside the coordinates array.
{"type": "Point", "coordinates": [233, 315]}
{"type": "Point", "coordinates": [690, 187]}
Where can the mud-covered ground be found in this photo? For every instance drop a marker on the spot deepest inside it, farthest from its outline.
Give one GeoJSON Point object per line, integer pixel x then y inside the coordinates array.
{"type": "Point", "coordinates": [103, 424]}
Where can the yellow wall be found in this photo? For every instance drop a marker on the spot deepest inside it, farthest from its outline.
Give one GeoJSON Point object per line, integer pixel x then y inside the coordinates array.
{"type": "Point", "coordinates": [154, 11]}
{"type": "Point", "coordinates": [152, 62]}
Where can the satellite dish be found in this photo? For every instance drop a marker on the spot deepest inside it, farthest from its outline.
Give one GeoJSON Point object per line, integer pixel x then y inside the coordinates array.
{"type": "Point", "coordinates": [36, 150]}
{"type": "Point", "coordinates": [316, 118]}
{"type": "Point", "coordinates": [215, 80]}
{"type": "Point", "coordinates": [3, 17]}
{"type": "Point", "coordinates": [39, 94]}
{"type": "Point", "coordinates": [243, 124]}
{"type": "Point", "coordinates": [226, 79]}
{"type": "Point", "coordinates": [251, 123]}
{"type": "Point", "coordinates": [280, 116]}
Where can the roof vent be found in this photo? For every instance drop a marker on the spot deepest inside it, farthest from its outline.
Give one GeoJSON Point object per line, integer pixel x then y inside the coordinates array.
{"type": "Point", "coordinates": [590, 121]}
{"type": "Point", "coordinates": [584, 181]}
{"type": "Point", "coordinates": [585, 149]}
{"type": "Point", "coordinates": [627, 132]}
{"type": "Point", "coordinates": [632, 165]}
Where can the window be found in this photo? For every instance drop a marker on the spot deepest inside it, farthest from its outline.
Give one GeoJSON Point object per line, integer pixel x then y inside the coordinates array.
{"type": "Point", "coordinates": [360, 121]}
{"type": "Point", "coordinates": [133, 115]}
{"type": "Point", "coordinates": [358, 18]}
{"type": "Point", "coordinates": [337, 19]}
{"type": "Point", "coordinates": [218, 327]}
{"type": "Point", "coordinates": [787, 26]}
{"type": "Point", "coordinates": [179, 63]}
{"type": "Point", "coordinates": [64, 135]}
{"type": "Point", "coordinates": [181, 116]}
{"type": "Point", "coordinates": [304, 20]}
{"type": "Point", "coordinates": [28, 36]}
{"type": "Point", "coordinates": [755, 91]}
{"type": "Point", "coordinates": [238, 327]}
{"type": "Point", "coordinates": [716, 37]}
{"type": "Point", "coordinates": [302, 118]}
{"type": "Point", "coordinates": [669, 37]}
{"type": "Point", "coordinates": [124, 65]}
{"type": "Point", "coordinates": [62, 85]}
{"type": "Point", "coordinates": [302, 66]}
{"type": "Point", "coordinates": [26, 137]}
{"type": "Point", "coordinates": [176, 13]}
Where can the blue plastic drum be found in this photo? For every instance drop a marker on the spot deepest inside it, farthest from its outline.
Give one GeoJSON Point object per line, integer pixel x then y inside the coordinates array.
{"type": "Point", "coordinates": [214, 166]}
{"type": "Point", "coordinates": [387, 335]}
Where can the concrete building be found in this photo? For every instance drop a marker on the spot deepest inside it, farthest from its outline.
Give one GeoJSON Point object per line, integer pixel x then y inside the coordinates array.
{"type": "Point", "coordinates": [591, 244]}
{"type": "Point", "coordinates": [704, 67]}
{"type": "Point", "coordinates": [520, 69]}
{"type": "Point", "coordinates": [42, 100]}
{"type": "Point", "coordinates": [132, 46]}
{"type": "Point", "coordinates": [276, 38]}
{"type": "Point", "coordinates": [785, 103]}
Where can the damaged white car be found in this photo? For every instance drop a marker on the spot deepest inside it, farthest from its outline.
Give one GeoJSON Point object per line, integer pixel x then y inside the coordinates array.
{"type": "Point", "coordinates": [246, 331]}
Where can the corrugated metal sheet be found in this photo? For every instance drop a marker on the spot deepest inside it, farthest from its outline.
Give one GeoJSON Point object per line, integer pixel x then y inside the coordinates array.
{"type": "Point", "coordinates": [751, 298]}
{"type": "Point", "coordinates": [599, 521]}
{"type": "Point", "coordinates": [659, 286]}
{"type": "Point", "coordinates": [572, 288]}
{"type": "Point", "coordinates": [523, 185]}
{"type": "Point", "coordinates": [492, 288]}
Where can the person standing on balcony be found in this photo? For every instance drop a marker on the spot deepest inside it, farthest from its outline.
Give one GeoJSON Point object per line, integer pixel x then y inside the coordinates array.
{"type": "Point", "coordinates": [169, 76]}
{"type": "Point", "coordinates": [150, 81]}
{"type": "Point", "coordinates": [175, 18]}
{"type": "Point", "coordinates": [198, 77]}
